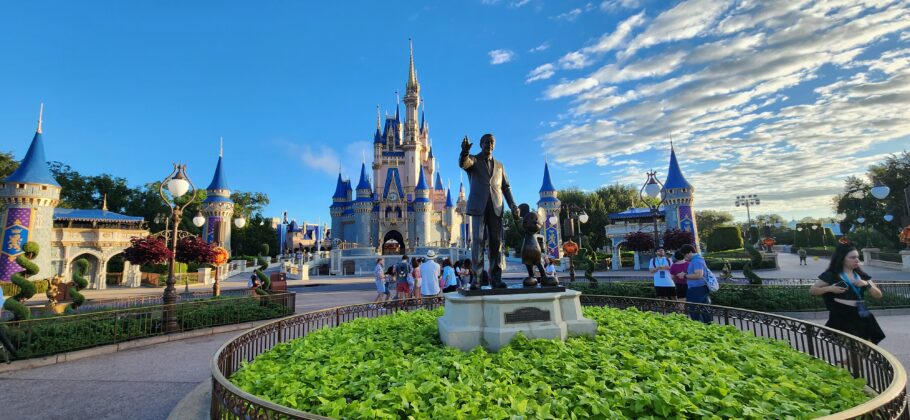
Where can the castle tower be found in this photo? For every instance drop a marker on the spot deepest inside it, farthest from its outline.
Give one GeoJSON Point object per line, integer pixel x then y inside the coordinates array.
{"type": "Point", "coordinates": [423, 209]}
{"type": "Point", "coordinates": [461, 207]}
{"type": "Point", "coordinates": [679, 198]}
{"type": "Point", "coordinates": [450, 221]}
{"type": "Point", "coordinates": [550, 203]}
{"type": "Point", "coordinates": [411, 141]}
{"type": "Point", "coordinates": [218, 208]}
{"type": "Point", "coordinates": [29, 196]}
{"type": "Point", "coordinates": [339, 203]}
{"type": "Point", "coordinates": [363, 208]}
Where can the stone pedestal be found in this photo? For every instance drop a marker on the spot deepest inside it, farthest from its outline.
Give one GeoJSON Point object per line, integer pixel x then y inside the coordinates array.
{"type": "Point", "coordinates": [303, 271]}
{"type": "Point", "coordinates": [492, 321]}
{"type": "Point", "coordinates": [205, 275]}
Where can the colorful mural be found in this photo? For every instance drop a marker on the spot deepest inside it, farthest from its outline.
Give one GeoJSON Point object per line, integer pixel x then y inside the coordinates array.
{"type": "Point", "coordinates": [15, 235]}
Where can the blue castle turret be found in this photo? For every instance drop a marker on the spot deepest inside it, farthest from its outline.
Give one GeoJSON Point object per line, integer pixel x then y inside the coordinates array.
{"type": "Point", "coordinates": [679, 198]}
{"type": "Point", "coordinates": [363, 207]}
{"type": "Point", "coordinates": [218, 208]}
{"type": "Point", "coordinates": [550, 204]}
{"type": "Point", "coordinates": [29, 196]}
{"type": "Point", "coordinates": [423, 208]}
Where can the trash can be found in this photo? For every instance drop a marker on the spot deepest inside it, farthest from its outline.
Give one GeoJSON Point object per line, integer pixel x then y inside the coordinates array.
{"type": "Point", "coordinates": [279, 281]}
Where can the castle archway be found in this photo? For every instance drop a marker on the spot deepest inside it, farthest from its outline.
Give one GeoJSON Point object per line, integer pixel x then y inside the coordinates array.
{"type": "Point", "coordinates": [393, 243]}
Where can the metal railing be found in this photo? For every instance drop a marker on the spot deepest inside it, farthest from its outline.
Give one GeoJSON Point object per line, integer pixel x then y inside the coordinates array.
{"type": "Point", "coordinates": [884, 375]}
{"type": "Point", "coordinates": [761, 297]}
{"type": "Point", "coordinates": [45, 336]}
{"type": "Point", "coordinates": [154, 299]}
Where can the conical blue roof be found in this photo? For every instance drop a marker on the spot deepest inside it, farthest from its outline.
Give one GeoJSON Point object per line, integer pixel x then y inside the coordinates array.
{"type": "Point", "coordinates": [364, 184]}
{"type": "Point", "coordinates": [33, 169]}
{"type": "Point", "coordinates": [219, 181]}
{"type": "Point", "coordinates": [449, 199]}
{"type": "Point", "coordinates": [421, 181]}
{"type": "Point", "coordinates": [339, 188]}
{"type": "Point", "coordinates": [430, 154]}
{"type": "Point", "coordinates": [422, 119]}
{"type": "Point", "coordinates": [675, 178]}
{"type": "Point", "coordinates": [547, 184]}
{"type": "Point", "coordinates": [377, 138]}
{"type": "Point", "coordinates": [439, 186]}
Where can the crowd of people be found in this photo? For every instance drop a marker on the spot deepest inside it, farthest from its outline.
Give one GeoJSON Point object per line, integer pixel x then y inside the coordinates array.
{"type": "Point", "coordinates": [420, 276]}
{"type": "Point", "coordinates": [843, 286]}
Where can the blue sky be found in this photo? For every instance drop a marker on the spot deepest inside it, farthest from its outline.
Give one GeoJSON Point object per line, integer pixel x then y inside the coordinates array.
{"type": "Point", "coordinates": [782, 99]}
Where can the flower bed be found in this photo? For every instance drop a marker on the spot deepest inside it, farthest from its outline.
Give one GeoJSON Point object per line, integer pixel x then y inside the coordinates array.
{"type": "Point", "coordinates": [639, 364]}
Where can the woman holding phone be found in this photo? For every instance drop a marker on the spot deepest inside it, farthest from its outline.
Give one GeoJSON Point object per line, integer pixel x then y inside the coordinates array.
{"type": "Point", "coordinates": [844, 286]}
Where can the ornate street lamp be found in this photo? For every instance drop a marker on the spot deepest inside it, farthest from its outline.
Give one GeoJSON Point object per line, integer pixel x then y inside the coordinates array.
{"type": "Point", "coordinates": [177, 184]}
{"type": "Point", "coordinates": [652, 189]}
{"type": "Point", "coordinates": [879, 190]}
{"type": "Point", "coordinates": [199, 220]}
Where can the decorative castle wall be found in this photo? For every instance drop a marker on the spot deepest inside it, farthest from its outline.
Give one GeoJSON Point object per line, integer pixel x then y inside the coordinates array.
{"type": "Point", "coordinates": [28, 217]}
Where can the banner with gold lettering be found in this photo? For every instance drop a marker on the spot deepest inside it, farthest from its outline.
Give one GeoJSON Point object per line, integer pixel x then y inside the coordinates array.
{"type": "Point", "coordinates": [15, 235]}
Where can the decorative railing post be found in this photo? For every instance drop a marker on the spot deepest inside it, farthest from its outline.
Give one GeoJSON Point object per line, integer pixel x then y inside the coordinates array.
{"type": "Point", "coordinates": [810, 339]}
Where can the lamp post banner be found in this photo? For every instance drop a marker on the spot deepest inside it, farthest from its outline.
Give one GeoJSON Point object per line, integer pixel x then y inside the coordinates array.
{"type": "Point", "coordinates": [15, 234]}
{"type": "Point", "coordinates": [552, 239]}
{"type": "Point", "coordinates": [686, 220]}
{"type": "Point", "coordinates": [213, 235]}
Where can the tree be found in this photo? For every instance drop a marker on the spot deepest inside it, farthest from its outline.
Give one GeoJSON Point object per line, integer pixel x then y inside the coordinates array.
{"type": "Point", "coordinates": [640, 241]}
{"type": "Point", "coordinates": [857, 201]}
{"type": "Point", "coordinates": [148, 250]}
{"type": "Point", "coordinates": [708, 220]}
{"type": "Point", "coordinates": [768, 219]}
{"type": "Point", "coordinates": [8, 164]}
{"type": "Point", "coordinates": [247, 240]}
{"type": "Point", "coordinates": [674, 238]}
{"type": "Point", "coordinates": [513, 235]}
{"type": "Point", "coordinates": [725, 238]}
{"type": "Point", "coordinates": [195, 249]}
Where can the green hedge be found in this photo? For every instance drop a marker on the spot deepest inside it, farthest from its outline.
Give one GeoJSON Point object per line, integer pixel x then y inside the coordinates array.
{"type": "Point", "coordinates": [783, 298]}
{"type": "Point", "coordinates": [41, 337]}
{"type": "Point", "coordinates": [731, 253]}
{"type": "Point", "coordinates": [735, 263]}
{"type": "Point", "coordinates": [10, 289]}
{"type": "Point", "coordinates": [725, 238]}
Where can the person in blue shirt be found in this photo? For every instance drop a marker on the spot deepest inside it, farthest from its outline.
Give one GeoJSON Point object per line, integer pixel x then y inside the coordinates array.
{"type": "Point", "coordinates": [697, 290]}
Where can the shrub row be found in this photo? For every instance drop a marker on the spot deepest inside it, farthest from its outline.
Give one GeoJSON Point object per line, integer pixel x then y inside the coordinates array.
{"type": "Point", "coordinates": [47, 336]}
{"type": "Point", "coordinates": [735, 263]}
{"type": "Point", "coordinates": [779, 298]}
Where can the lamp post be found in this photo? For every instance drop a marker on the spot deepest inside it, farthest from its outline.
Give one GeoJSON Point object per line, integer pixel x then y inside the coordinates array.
{"type": "Point", "coordinates": [748, 200]}
{"type": "Point", "coordinates": [573, 212]}
{"type": "Point", "coordinates": [177, 184]}
{"type": "Point", "coordinates": [652, 189]}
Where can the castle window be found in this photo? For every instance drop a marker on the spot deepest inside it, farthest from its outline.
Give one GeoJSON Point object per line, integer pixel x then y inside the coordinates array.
{"type": "Point", "coordinates": [44, 188]}
{"type": "Point", "coordinates": [20, 186]}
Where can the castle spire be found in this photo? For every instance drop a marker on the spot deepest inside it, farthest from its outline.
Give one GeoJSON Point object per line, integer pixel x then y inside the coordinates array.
{"type": "Point", "coordinates": [104, 202]}
{"type": "Point", "coordinates": [33, 168]}
{"type": "Point", "coordinates": [413, 85]}
{"type": "Point", "coordinates": [378, 124]}
{"type": "Point", "coordinates": [40, 117]}
{"type": "Point", "coordinates": [547, 183]}
{"type": "Point", "coordinates": [221, 147]}
{"type": "Point", "coordinates": [675, 178]}
{"type": "Point", "coordinates": [219, 181]}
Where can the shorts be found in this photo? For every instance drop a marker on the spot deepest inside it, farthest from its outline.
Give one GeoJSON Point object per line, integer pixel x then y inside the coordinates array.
{"type": "Point", "coordinates": [380, 286]}
{"type": "Point", "coordinates": [681, 289]}
{"type": "Point", "coordinates": [665, 291]}
{"type": "Point", "coordinates": [389, 286]}
{"type": "Point", "coordinates": [403, 287]}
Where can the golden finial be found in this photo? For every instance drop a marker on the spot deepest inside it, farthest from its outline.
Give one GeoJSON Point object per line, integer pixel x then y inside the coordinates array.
{"type": "Point", "coordinates": [40, 116]}
{"type": "Point", "coordinates": [104, 202]}
{"type": "Point", "coordinates": [378, 124]}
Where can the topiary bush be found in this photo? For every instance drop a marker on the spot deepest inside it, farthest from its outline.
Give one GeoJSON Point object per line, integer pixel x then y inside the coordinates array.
{"type": "Point", "coordinates": [80, 267]}
{"type": "Point", "coordinates": [263, 278]}
{"type": "Point", "coordinates": [725, 238]}
{"type": "Point", "coordinates": [27, 289]}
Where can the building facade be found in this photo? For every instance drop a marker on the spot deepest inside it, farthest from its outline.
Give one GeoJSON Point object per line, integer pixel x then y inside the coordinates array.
{"type": "Point", "coordinates": [406, 206]}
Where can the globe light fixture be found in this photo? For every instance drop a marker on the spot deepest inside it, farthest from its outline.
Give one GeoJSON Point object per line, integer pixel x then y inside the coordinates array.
{"type": "Point", "coordinates": [199, 219]}
{"type": "Point", "coordinates": [861, 219]}
{"type": "Point", "coordinates": [777, 225]}
{"type": "Point", "coordinates": [880, 190]}
{"type": "Point", "coordinates": [889, 217]}
{"type": "Point", "coordinates": [583, 217]}
{"type": "Point", "coordinates": [239, 222]}
{"type": "Point", "coordinates": [178, 185]}
{"type": "Point", "coordinates": [799, 229]}
{"type": "Point", "coordinates": [553, 220]}
{"type": "Point", "coordinates": [814, 227]}
{"type": "Point", "coordinates": [652, 188]}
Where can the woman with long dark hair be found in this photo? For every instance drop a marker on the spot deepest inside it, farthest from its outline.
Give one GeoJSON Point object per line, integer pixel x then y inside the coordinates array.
{"type": "Point", "coordinates": [844, 286]}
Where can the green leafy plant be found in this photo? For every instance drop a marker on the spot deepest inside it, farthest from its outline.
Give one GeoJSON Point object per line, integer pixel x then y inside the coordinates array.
{"type": "Point", "coordinates": [27, 289]}
{"type": "Point", "coordinates": [266, 282]}
{"type": "Point", "coordinates": [80, 267]}
{"type": "Point", "coordinates": [725, 238]}
{"type": "Point", "coordinates": [639, 365]}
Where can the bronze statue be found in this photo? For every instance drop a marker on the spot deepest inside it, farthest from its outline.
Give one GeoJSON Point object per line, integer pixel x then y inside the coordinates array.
{"type": "Point", "coordinates": [531, 255]}
{"type": "Point", "coordinates": [489, 185]}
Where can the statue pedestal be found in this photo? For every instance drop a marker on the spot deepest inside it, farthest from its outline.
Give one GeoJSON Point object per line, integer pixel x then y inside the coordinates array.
{"type": "Point", "coordinates": [492, 321]}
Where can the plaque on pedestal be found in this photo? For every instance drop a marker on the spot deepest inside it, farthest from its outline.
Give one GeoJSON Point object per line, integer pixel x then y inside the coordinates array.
{"type": "Point", "coordinates": [493, 320]}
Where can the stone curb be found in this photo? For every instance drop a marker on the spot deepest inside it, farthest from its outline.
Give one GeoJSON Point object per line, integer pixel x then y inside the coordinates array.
{"type": "Point", "coordinates": [126, 345]}
{"type": "Point", "coordinates": [195, 405]}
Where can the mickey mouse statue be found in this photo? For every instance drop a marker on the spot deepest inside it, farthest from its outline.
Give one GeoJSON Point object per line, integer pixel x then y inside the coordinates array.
{"type": "Point", "coordinates": [530, 249]}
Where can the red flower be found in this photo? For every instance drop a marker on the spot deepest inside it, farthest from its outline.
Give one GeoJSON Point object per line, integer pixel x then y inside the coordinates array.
{"type": "Point", "coordinates": [147, 250]}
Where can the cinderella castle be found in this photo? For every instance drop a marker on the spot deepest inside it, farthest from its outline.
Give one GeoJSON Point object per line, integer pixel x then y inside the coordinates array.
{"type": "Point", "coordinates": [406, 207]}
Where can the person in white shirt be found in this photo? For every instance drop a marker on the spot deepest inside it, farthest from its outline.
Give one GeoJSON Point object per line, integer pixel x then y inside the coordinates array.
{"type": "Point", "coordinates": [659, 266]}
{"type": "Point", "coordinates": [429, 276]}
{"type": "Point", "coordinates": [550, 269]}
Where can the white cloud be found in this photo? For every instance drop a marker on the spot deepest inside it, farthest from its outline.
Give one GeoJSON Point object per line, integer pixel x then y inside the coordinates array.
{"type": "Point", "coordinates": [501, 56]}
{"type": "Point", "coordinates": [320, 158]}
{"type": "Point", "coordinates": [569, 16]}
{"type": "Point", "coordinates": [542, 47]}
{"type": "Point", "coordinates": [721, 79]}
{"type": "Point", "coordinates": [542, 72]}
{"type": "Point", "coordinates": [613, 5]}
{"type": "Point", "coordinates": [518, 3]}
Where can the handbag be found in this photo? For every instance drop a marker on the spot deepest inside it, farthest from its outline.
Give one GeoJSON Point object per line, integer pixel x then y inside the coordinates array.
{"type": "Point", "coordinates": [711, 280]}
{"type": "Point", "coordinates": [861, 309]}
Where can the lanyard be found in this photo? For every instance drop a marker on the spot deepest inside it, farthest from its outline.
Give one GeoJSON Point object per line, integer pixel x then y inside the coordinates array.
{"type": "Point", "coordinates": [851, 285]}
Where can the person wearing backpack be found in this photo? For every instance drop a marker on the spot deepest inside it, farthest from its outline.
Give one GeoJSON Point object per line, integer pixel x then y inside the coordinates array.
{"type": "Point", "coordinates": [663, 283]}
{"type": "Point", "coordinates": [696, 283]}
{"type": "Point", "coordinates": [402, 272]}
